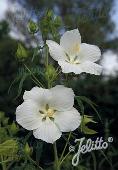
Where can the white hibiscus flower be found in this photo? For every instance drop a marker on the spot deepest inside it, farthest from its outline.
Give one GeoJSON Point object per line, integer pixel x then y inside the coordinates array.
{"type": "Point", "coordinates": [48, 112]}
{"type": "Point", "coordinates": [74, 56]}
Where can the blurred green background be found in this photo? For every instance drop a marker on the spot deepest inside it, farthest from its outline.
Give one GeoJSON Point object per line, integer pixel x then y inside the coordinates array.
{"type": "Point", "coordinates": [97, 23]}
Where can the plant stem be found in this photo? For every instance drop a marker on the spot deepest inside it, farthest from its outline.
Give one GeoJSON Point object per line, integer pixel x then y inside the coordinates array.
{"type": "Point", "coordinates": [10, 165]}
{"type": "Point", "coordinates": [31, 160]}
{"type": "Point", "coordinates": [66, 80]}
{"type": "Point", "coordinates": [94, 160]}
{"type": "Point", "coordinates": [56, 162]}
{"type": "Point", "coordinates": [3, 163]}
{"type": "Point", "coordinates": [64, 158]}
{"type": "Point", "coordinates": [38, 82]}
{"type": "Point", "coordinates": [27, 137]}
{"type": "Point", "coordinates": [65, 147]}
{"type": "Point", "coordinates": [46, 56]}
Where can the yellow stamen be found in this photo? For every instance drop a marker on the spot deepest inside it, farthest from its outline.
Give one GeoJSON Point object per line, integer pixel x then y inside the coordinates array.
{"type": "Point", "coordinates": [50, 112]}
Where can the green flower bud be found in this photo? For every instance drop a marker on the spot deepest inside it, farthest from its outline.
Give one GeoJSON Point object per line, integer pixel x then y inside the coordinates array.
{"type": "Point", "coordinates": [21, 52]}
{"type": "Point", "coordinates": [49, 14]}
{"type": "Point", "coordinates": [50, 73]}
{"type": "Point", "coordinates": [33, 27]}
{"type": "Point", "coordinates": [27, 149]}
{"type": "Point", "coordinates": [13, 128]}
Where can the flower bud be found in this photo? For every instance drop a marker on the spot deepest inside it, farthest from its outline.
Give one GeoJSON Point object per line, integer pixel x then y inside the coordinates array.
{"type": "Point", "coordinates": [50, 72]}
{"type": "Point", "coordinates": [49, 14]}
{"type": "Point", "coordinates": [32, 27]}
{"type": "Point", "coordinates": [13, 128]}
{"type": "Point", "coordinates": [21, 52]}
{"type": "Point", "coordinates": [27, 149]}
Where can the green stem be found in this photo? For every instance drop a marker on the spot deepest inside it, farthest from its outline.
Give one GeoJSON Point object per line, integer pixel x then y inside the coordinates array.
{"type": "Point", "coordinates": [46, 65]}
{"type": "Point", "coordinates": [10, 165]}
{"type": "Point", "coordinates": [65, 146]}
{"type": "Point", "coordinates": [64, 158]}
{"type": "Point", "coordinates": [67, 80]}
{"type": "Point", "coordinates": [35, 82]}
{"type": "Point", "coordinates": [3, 163]}
{"type": "Point", "coordinates": [35, 79]}
{"type": "Point", "coordinates": [56, 162]}
{"type": "Point", "coordinates": [94, 160]}
{"type": "Point", "coordinates": [47, 56]}
{"type": "Point", "coordinates": [49, 84]}
{"type": "Point", "coordinates": [31, 160]}
{"type": "Point", "coordinates": [27, 137]}
{"type": "Point", "coordinates": [61, 160]}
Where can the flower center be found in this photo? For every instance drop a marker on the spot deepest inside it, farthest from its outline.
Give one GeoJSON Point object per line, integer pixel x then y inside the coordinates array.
{"type": "Point", "coordinates": [72, 59]}
{"type": "Point", "coordinates": [50, 112]}
{"type": "Point", "coordinates": [47, 112]}
{"type": "Point", "coordinates": [72, 56]}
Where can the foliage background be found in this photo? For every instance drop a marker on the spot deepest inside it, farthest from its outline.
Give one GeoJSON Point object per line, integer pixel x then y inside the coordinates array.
{"type": "Point", "coordinates": [92, 17]}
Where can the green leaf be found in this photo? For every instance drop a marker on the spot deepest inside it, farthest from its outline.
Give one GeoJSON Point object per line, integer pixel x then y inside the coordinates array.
{"type": "Point", "coordinates": [85, 120]}
{"type": "Point", "coordinates": [92, 104]}
{"type": "Point", "coordinates": [3, 134]}
{"type": "Point", "coordinates": [58, 21]}
{"type": "Point", "coordinates": [25, 166]}
{"type": "Point", "coordinates": [9, 148]}
{"type": "Point", "coordinates": [21, 85]}
{"type": "Point", "coordinates": [88, 119]}
{"type": "Point", "coordinates": [36, 52]}
{"type": "Point", "coordinates": [39, 149]}
{"type": "Point", "coordinates": [81, 167]}
{"type": "Point", "coordinates": [88, 131]}
{"type": "Point", "coordinates": [80, 103]}
{"type": "Point", "coordinates": [5, 121]}
{"type": "Point", "coordinates": [110, 163]}
{"type": "Point", "coordinates": [13, 82]}
{"type": "Point", "coordinates": [30, 167]}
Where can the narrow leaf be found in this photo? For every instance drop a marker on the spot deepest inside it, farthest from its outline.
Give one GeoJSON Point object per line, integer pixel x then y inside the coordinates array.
{"type": "Point", "coordinates": [92, 104]}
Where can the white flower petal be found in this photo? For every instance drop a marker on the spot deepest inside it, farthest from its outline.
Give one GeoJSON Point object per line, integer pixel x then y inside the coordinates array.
{"type": "Point", "coordinates": [69, 68]}
{"type": "Point", "coordinates": [39, 95]}
{"type": "Point", "coordinates": [56, 51]}
{"type": "Point", "coordinates": [63, 98]}
{"type": "Point", "coordinates": [70, 39]}
{"type": "Point", "coordinates": [86, 67]}
{"type": "Point", "coordinates": [90, 67]}
{"type": "Point", "coordinates": [68, 120]}
{"type": "Point", "coordinates": [89, 53]}
{"type": "Point", "coordinates": [28, 116]}
{"type": "Point", "coordinates": [47, 131]}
